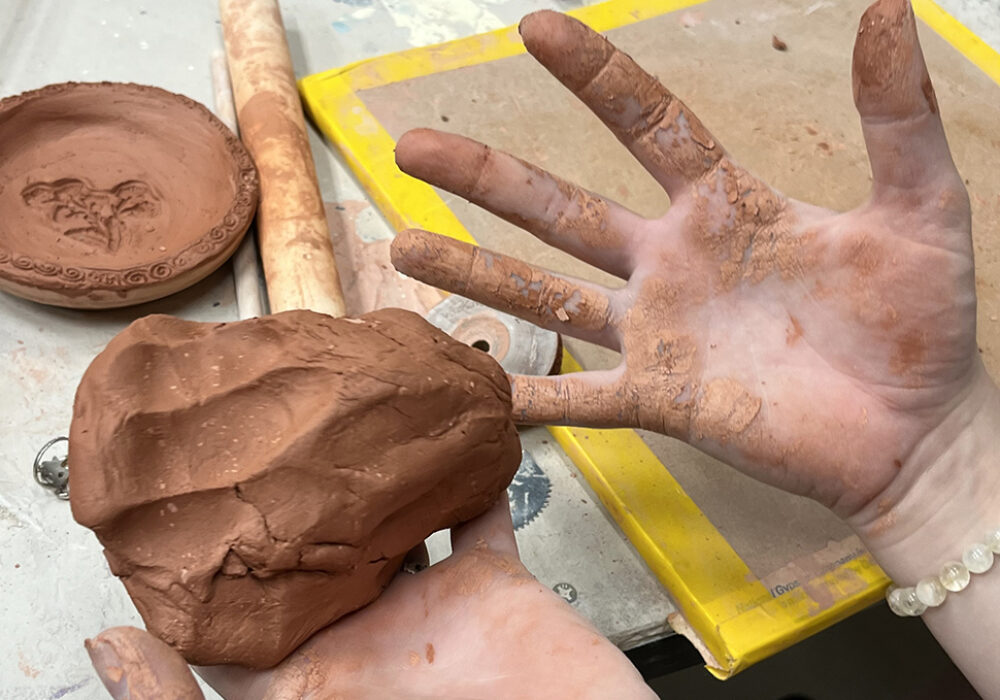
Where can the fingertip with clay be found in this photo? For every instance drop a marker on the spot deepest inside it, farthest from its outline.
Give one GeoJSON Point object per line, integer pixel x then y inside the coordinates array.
{"type": "Point", "coordinates": [135, 665]}
{"type": "Point", "coordinates": [412, 250]}
{"type": "Point", "coordinates": [535, 23]}
{"type": "Point", "coordinates": [445, 160]}
{"type": "Point", "coordinates": [547, 299]}
{"type": "Point", "coordinates": [568, 48]}
{"type": "Point", "coordinates": [419, 150]}
{"type": "Point", "coordinates": [899, 112]}
{"type": "Point", "coordinates": [890, 76]}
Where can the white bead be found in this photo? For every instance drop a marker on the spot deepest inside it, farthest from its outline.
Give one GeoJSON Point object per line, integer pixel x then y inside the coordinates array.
{"type": "Point", "coordinates": [993, 540]}
{"type": "Point", "coordinates": [904, 602]}
{"type": "Point", "coordinates": [912, 603]}
{"type": "Point", "coordinates": [893, 596]}
{"type": "Point", "coordinates": [978, 558]}
{"type": "Point", "coordinates": [954, 576]}
{"type": "Point", "coordinates": [930, 592]}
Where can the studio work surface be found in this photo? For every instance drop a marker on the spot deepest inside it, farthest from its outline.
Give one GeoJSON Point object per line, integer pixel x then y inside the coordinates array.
{"type": "Point", "coordinates": [55, 588]}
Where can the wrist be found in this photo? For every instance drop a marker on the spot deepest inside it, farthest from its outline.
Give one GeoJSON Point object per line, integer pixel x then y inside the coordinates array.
{"type": "Point", "coordinates": [947, 495]}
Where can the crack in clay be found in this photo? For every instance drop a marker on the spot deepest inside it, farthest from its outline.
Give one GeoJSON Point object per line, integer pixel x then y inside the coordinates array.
{"type": "Point", "coordinates": [263, 518]}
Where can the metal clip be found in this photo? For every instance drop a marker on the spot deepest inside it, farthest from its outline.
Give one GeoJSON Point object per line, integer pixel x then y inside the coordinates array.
{"type": "Point", "coordinates": [53, 473]}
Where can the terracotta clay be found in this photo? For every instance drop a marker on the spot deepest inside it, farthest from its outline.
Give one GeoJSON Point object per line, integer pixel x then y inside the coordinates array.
{"type": "Point", "coordinates": [252, 482]}
{"type": "Point", "coordinates": [114, 194]}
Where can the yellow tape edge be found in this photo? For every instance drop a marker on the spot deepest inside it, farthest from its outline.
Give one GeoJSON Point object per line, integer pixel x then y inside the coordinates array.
{"type": "Point", "coordinates": [981, 54]}
{"type": "Point", "coordinates": [660, 520]}
{"type": "Point", "coordinates": [762, 630]}
{"type": "Point", "coordinates": [739, 639]}
{"type": "Point", "coordinates": [369, 151]}
{"type": "Point", "coordinates": [629, 448]}
{"type": "Point", "coordinates": [482, 48]}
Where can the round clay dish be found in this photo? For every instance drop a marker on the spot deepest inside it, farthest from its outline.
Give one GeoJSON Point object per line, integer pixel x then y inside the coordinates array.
{"type": "Point", "coordinates": [113, 194]}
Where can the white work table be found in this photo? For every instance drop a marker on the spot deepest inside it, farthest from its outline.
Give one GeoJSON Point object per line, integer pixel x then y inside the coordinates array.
{"type": "Point", "coordinates": [55, 587]}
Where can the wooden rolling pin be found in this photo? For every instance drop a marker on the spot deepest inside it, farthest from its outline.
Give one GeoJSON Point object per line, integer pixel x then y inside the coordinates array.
{"type": "Point", "coordinates": [294, 239]}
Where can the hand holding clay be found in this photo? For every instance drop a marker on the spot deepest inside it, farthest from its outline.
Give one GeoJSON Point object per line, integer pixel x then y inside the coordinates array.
{"type": "Point", "coordinates": [252, 482]}
{"type": "Point", "coordinates": [761, 329]}
{"type": "Point", "coordinates": [476, 625]}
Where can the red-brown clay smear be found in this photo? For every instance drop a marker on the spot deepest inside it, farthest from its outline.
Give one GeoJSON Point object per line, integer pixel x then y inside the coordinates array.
{"type": "Point", "coordinates": [111, 192]}
{"type": "Point", "coordinates": [252, 482]}
{"type": "Point", "coordinates": [724, 411]}
{"type": "Point", "coordinates": [884, 76]}
{"type": "Point", "coordinates": [896, 101]}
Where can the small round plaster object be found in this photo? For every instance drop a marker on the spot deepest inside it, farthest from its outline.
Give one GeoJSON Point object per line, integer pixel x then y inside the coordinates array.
{"type": "Point", "coordinates": [114, 194]}
{"type": "Point", "coordinates": [519, 346]}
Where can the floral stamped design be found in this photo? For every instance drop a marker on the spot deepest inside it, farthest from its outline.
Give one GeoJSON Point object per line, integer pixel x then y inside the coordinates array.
{"type": "Point", "coordinates": [101, 218]}
{"type": "Point", "coordinates": [71, 279]}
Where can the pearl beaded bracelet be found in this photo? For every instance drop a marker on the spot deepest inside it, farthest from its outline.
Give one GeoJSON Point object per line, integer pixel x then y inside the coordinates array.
{"type": "Point", "coordinates": [954, 576]}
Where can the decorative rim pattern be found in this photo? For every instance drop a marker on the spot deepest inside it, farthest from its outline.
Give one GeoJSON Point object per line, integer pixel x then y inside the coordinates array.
{"type": "Point", "coordinates": [78, 280]}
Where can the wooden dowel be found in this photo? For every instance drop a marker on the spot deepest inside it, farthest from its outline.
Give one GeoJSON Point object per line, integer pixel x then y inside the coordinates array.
{"type": "Point", "coordinates": [248, 292]}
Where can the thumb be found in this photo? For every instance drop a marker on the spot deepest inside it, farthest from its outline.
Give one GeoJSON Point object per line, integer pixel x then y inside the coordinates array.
{"type": "Point", "coordinates": [897, 104]}
{"type": "Point", "coordinates": [493, 528]}
{"type": "Point", "coordinates": [135, 665]}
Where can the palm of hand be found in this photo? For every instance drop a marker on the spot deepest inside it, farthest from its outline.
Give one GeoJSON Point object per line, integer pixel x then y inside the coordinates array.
{"type": "Point", "coordinates": [760, 329]}
{"type": "Point", "coordinates": [778, 334]}
{"type": "Point", "coordinates": [475, 626]}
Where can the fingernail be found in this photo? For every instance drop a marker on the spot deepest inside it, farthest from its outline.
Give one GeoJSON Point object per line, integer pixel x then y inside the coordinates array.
{"type": "Point", "coordinates": [109, 667]}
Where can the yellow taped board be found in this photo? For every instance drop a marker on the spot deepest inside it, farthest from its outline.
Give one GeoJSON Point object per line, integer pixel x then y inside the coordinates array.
{"type": "Point", "coordinates": [734, 615]}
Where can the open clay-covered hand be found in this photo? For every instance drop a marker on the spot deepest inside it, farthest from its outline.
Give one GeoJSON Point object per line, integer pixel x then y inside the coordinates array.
{"type": "Point", "coordinates": [252, 482]}
{"type": "Point", "coordinates": [476, 625]}
{"type": "Point", "coordinates": [813, 349]}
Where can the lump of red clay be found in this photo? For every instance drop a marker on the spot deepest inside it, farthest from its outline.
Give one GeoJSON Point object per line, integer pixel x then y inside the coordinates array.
{"type": "Point", "coordinates": [252, 482]}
